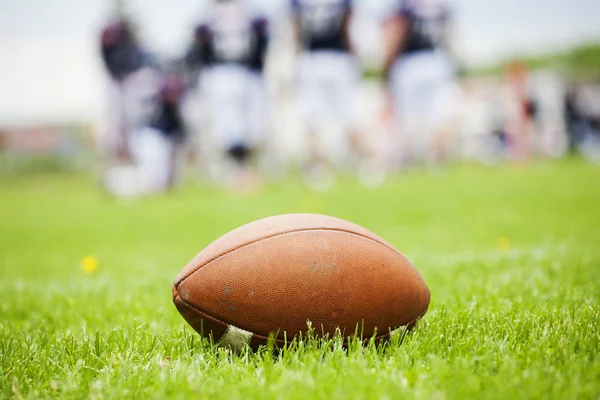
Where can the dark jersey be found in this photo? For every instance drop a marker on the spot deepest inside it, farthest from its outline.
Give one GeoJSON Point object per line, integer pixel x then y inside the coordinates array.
{"type": "Point", "coordinates": [232, 36]}
{"type": "Point", "coordinates": [120, 51]}
{"type": "Point", "coordinates": [323, 23]}
{"type": "Point", "coordinates": [167, 117]}
{"type": "Point", "coordinates": [427, 23]}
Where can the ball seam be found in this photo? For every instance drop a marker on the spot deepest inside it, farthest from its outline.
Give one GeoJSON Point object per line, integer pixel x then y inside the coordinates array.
{"type": "Point", "coordinates": [193, 307]}
{"type": "Point", "coordinates": [180, 281]}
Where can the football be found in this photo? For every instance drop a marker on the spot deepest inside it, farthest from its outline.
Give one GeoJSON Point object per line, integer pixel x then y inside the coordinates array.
{"type": "Point", "coordinates": [274, 275]}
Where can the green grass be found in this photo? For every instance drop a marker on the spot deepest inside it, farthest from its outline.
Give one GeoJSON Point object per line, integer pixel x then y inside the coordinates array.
{"type": "Point", "coordinates": [582, 62]}
{"type": "Point", "coordinates": [511, 255]}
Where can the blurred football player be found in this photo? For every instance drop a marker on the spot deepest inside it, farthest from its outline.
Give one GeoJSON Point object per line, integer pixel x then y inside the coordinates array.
{"type": "Point", "coordinates": [157, 142]}
{"type": "Point", "coordinates": [229, 52]}
{"type": "Point", "coordinates": [133, 85]}
{"type": "Point", "coordinates": [153, 144]}
{"type": "Point", "coordinates": [328, 74]}
{"type": "Point", "coordinates": [133, 79]}
{"type": "Point", "coordinates": [421, 77]}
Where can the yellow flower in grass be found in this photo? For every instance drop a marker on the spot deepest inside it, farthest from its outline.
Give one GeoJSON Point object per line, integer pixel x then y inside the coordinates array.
{"type": "Point", "coordinates": [89, 264]}
{"type": "Point", "coordinates": [504, 243]}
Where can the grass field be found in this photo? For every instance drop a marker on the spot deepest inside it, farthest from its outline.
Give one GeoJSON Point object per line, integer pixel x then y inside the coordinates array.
{"type": "Point", "coordinates": [511, 255]}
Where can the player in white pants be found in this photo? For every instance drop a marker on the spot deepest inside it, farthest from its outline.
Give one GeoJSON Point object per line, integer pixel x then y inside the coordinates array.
{"type": "Point", "coordinates": [153, 145]}
{"type": "Point", "coordinates": [421, 80]}
{"type": "Point", "coordinates": [133, 89]}
{"type": "Point", "coordinates": [229, 51]}
{"type": "Point", "coordinates": [328, 75]}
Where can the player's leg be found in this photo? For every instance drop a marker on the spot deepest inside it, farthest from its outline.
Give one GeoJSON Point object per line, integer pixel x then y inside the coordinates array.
{"type": "Point", "coordinates": [317, 107]}
{"type": "Point", "coordinates": [374, 117]}
{"type": "Point", "coordinates": [217, 88]}
{"type": "Point", "coordinates": [153, 153]}
{"type": "Point", "coordinates": [420, 92]}
{"type": "Point", "coordinates": [259, 114]}
{"type": "Point", "coordinates": [120, 173]}
{"type": "Point", "coordinates": [343, 77]}
{"type": "Point", "coordinates": [229, 94]}
{"type": "Point", "coordinates": [309, 97]}
{"type": "Point", "coordinates": [405, 91]}
{"type": "Point", "coordinates": [444, 111]}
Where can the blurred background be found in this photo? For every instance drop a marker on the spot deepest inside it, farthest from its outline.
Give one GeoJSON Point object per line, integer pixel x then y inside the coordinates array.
{"type": "Point", "coordinates": [150, 94]}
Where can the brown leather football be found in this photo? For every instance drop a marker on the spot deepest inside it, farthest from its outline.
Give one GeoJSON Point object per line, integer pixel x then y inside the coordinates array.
{"type": "Point", "coordinates": [273, 275]}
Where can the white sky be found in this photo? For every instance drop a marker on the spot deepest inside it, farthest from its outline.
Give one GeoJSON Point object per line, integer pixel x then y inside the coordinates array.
{"type": "Point", "coordinates": [49, 68]}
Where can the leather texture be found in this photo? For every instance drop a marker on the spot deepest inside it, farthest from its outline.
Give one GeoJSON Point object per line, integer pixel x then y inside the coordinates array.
{"type": "Point", "coordinates": [273, 275]}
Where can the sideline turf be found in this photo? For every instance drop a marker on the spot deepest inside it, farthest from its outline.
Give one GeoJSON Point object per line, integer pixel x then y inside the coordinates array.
{"type": "Point", "coordinates": [512, 257]}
